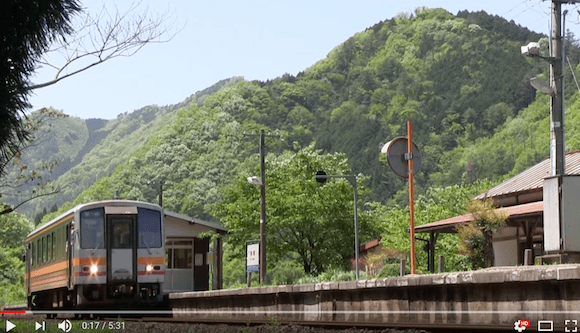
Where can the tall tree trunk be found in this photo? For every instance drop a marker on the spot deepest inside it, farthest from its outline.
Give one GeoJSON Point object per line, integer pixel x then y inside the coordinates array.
{"type": "Point", "coordinates": [488, 256]}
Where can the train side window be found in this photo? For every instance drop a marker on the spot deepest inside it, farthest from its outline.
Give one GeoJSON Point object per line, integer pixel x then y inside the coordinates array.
{"type": "Point", "coordinates": [38, 243]}
{"type": "Point", "coordinates": [59, 242]}
{"type": "Point", "coordinates": [44, 250]}
{"type": "Point", "coordinates": [48, 247]}
{"type": "Point", "coordinates": [53, 246]}
{"type": "Point", "coordinates": [32, 254]}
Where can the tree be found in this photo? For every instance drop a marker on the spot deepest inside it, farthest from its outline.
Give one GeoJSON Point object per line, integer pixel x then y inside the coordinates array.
{"type": "Point", "coordinates": [19, 182]}
{"type": "Point", "coordinates": [34, 31]}
{"type": "Point", "coordinates": [103, 36]}
{"type": "Point", "coordinates": [476, 236]}
{"type": "Point", "coordinates": [26, 34]}
{"type": "Point", "coordinates": [305, 219]}
{"type": "Point", "coordinates": [14, 228]}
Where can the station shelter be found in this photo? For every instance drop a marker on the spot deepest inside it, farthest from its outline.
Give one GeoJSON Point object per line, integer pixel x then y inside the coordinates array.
{"type": "Point", "coordinates": [521, 197]}
{"type": "Point", "coordinates": [188, 256]}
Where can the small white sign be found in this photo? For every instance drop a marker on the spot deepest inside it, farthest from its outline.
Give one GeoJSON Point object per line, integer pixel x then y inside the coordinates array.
{"type": "Point", "coordinates": [253, 258]}
{"type": "Point", "coordinates": [198, 259]}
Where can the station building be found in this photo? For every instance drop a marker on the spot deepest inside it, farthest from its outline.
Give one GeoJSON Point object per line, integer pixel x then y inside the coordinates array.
{"type": "Point", "coordinates": [521, 197]}
{"type": "Point", "coordinates": [188, 256]}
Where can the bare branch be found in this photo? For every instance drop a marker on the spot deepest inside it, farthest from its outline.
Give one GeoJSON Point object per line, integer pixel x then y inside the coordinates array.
{"type": "Point", "coordinates": [19, 182]}
{"type": "Point", "coordinates": [8, 209]}
{"type": "Point", "coordinates": [104, 36]}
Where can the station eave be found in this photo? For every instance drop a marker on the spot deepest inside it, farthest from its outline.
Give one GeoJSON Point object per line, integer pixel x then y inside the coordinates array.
{"type": "Point", "coordinates": [449, 225]}
{"type": "Point", "coordinates": [211, 225]}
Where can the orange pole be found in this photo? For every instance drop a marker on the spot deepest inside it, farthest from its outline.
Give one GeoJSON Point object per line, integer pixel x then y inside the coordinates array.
{"type": "Point", "coordinates": [411, 196]}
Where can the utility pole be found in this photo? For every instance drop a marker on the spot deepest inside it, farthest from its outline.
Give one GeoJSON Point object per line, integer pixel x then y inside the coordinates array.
{"type": "Point", "coordinates": [262, 210]}
{"type": "Point", "coordinates": [160, 193]}
{"type": "Point", "coordinates": [559, 191]}
{"type": "Point", "coordinates": [262, 183]}
{"type": "Point", "coordinates": [557, 153]}
{"type": "Point", "coordinates": [159, 189]}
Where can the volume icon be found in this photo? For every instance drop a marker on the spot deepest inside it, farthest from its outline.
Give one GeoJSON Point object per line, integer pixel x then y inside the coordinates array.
{"type": "Point", "coordinates": [66, 326]}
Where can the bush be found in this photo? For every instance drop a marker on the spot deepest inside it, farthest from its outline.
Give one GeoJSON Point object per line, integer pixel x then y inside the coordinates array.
{"type": "Point", "coordinates": [286, 273]}
{"type": "Point", "coordinates": [12, 294]}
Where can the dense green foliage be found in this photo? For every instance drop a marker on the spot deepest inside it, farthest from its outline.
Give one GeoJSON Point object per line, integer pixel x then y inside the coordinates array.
{"type": "Point", "coordinates": [15, 227]}
{"type": "Point", "coordinates": [307, 222]}
{"type": "Point", "coordinates": [436, 204]}
{"type": "Point", "coordinates": [87, 150]}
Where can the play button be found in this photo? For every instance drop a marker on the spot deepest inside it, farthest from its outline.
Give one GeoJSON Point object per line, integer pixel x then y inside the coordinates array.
{"type": "Point", "coordinates": [9, 326]}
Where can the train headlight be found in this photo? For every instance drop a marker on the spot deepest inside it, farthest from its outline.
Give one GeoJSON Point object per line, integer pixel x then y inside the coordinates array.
{"type": "Point", "coordinates": [94, 269]}
{"type": "Point", "coordinates": [149, 268]}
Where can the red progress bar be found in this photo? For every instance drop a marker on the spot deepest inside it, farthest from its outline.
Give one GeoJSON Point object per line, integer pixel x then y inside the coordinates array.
{"type": "Point", "coordinates": [23, 311]}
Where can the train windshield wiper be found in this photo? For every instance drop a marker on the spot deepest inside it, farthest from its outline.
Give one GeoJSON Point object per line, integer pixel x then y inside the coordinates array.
{"type": "Point", "coordinates": [145, 242]}
{"type": "Point", "coordinates": [96, 247]}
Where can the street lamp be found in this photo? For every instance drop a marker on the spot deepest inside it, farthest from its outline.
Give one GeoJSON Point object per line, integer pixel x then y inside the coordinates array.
{"type": "Point", "coordinates": [321, 177]}
{"type": "Point", "coordinates": [254, 180]}
{"type": "Point", "coordinates": [542, 86]}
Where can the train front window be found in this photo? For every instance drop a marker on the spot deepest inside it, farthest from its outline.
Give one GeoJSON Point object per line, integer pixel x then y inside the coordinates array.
{"type": "Point", "coordinates": [149, 228]}
{"type": "Point", "coordinates": [121, 234]}
{"type": "Point", "coordinates": [92, 229]}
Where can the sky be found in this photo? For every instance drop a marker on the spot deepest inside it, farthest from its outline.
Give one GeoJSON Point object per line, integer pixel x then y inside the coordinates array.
{"type": "Point", "coordinates": [259, 40]}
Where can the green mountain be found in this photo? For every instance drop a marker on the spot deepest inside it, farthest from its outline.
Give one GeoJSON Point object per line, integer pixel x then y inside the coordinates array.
{"type": "Point", "coordinates": [87, 150]}
{"type": "Point", "coordinates": [460, 78]}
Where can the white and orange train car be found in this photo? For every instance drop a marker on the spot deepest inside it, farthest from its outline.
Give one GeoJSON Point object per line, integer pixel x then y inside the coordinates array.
{"type": "Point", "coordinates": [97, 254]}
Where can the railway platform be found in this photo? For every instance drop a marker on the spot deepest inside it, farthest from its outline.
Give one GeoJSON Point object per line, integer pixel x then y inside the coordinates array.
{"type": "Point", "coordinates": [539, 298]}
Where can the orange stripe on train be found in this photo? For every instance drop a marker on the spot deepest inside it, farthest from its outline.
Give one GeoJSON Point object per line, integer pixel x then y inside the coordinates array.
{"type": "Point", "coordinates": [49, 269]}
{"type": "Point", "coordinates": [49, 280]}
{"type": "Point", "coordinates": [151, 260]}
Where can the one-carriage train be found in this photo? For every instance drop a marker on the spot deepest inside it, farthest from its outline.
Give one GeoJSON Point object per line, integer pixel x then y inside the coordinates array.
{"type": "Point", "coordinates": [107, 253]}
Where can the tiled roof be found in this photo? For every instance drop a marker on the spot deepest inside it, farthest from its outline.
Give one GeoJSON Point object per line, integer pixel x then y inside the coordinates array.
{"type": "Point", "coordinates": [370, 244]}
{"type": "Point", "coordinates": [533, 178]}
{"type": "Point", "coordinates": [448, 225]}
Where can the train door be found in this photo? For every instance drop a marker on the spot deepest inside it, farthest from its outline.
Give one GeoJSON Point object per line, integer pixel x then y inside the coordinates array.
{"type": "Point", "coordinates": [69, 249]}
{"type": "Point", "coordinates": [121, 257]}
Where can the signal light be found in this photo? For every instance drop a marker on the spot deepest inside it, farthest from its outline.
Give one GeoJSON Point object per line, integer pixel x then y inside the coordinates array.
{"type": "Point", "coordinates": [149, 268]}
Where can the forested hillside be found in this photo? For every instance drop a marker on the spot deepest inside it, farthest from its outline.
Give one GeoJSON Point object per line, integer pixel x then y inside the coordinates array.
{"type": "Point", "coordinates": [87, 150]}
{"type": "Point", "coordinates": [458, 78]}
